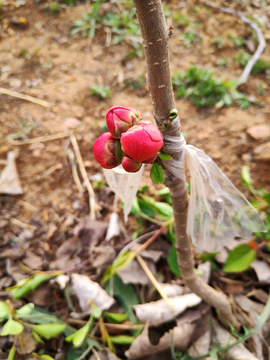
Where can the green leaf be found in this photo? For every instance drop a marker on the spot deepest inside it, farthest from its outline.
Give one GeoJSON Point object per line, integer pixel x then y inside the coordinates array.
{"type": "Point", "coordinates": [22, 288]}
{"type": "Point", "coordinates": [37, 337]}
{"type": "Point", "coordinates": [96, 311]}
{"type": "Point", "coordinates": [172, 261]}
{"type": "Point", "coordinates": [157, 174]}
{"type": "Point", "coordinates": [12, 353]}
{"type": "Point", "coordinates": [125, 294]}
{"type": "Point", "coordinates": [164, 157]}
{"type": "Point", "coordinates": [5, 311]}
{"type": "Point", "coordinates": [49, 331]}
{"type": "Point", "coordinates": [26, 309]}
{"type": "Point", "coordinates": [46, 357]}
{"type": "Point", "coordinates": [115, 318]}
{"type": "Point", "coordinates": [164, 209]}
{"type": "Point", "coordinates": [245, 175]}
{"type": "Point", "coordinates": [79, 336]}
{"type": "Point", "coordinates": [12, 327]}
{"type": "Point", "coordinates": [239, 259]}
{"type": "Point", "coordinates": [122, 339]}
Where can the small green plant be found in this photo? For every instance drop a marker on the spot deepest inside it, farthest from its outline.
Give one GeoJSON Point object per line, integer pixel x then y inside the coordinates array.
{"type": "Point", "coordinates": [237, 41]}
{"type": "Point", "coordinates": [24, 131]}
{"type": "Point", "coordinates": [222, 62]}
{"type": "Point", "coordinates": [261, 88]}
{"type": "Point", "coordinates": [260, 67]}
{"type": "Point", "coordinates": [190, 38]}
{"type": "Point", "coordinates": [218, 41]}
{"type": "Point", "coordinates": [202, 90]}
{"type": "Point", "coordinates": [181, 19]}
{"type": "Point", "coordinates": [123, 26]}
{"type": "Point", "coordinates": [101, 91]}
{"type": "Point", "coordinates": [54, 7]}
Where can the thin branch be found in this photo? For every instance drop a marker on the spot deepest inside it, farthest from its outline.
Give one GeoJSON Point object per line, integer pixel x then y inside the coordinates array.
{"type": "Point", "coordinates": [153, 279]}
{"type": "Point", "coordinates": [92, 200]}
{"type": "Point", "coordinates": [256, 56]}
{"type": "Point", "coordinates": [24, 97]}
{"type": "Point", "coordinates": [38, 139]}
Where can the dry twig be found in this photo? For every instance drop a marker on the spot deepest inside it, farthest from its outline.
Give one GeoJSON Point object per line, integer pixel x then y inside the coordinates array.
{"type": "Point", "coordinates": [75, 174]}
{"type": "Point", "coordinates": [92, 200]}
{"type": "Point", "coordinates": [39, 139]}
{"type": "Point", "coordinates": [24, 97]}
{"type": "Point", "coordinates": [246, 72]}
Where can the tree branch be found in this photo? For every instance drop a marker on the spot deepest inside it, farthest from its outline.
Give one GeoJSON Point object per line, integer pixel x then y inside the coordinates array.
{"type": "Point", "coordinates": [155, 35]}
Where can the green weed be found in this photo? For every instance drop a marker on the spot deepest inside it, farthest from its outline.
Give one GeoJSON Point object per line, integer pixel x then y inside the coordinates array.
{"type": "Point", "coordinates": [260, 67]}
{"type": "Point", "coordinates": [123, 26]}
{"type": "Point", "coordinates": [218, 41]}
{"type": "Point", "coordinates": [237, 41]}
{"type": "Point", "coordinates": [101, 91]}
{"type": "Point", "coordinates": [222, 62]}
{"type": "Point", "coordinates": [190, 38]}
{"type": "Point", "coordinates": [202, 90]}
{"type": "Point", "coordinates": [181, 19]}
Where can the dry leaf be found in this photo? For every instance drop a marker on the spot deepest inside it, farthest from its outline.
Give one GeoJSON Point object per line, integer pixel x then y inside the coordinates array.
{"type": "Point", "coordinates": [113, 227]}
{"type": "Point", "coordinates": [248, 305]}
{"type": "Point", "coordinates": [134, 274]}
{"type": "Point", "coordinates": [85, 289]}
{"type": "Point", "coordinates": [238, 352]}
{"type": "Point", "coordinates": [104, 354]}
{"type": "Point", "coordinates": [26, 344]}
{"type": "Point", "coordinates": [142, 346]}
{"type": "Point", "coordinates": [9, 179]}
{"type": "Point", "coordinates": [160, 311]}
{"type": "Point", "coordinates": [201, 345]}
{"type": "Point", "coordinates": [101, 257]}
{"type": "Point", "coordinates": [172, 289]}
{"type": "Point", "coordinates": [262, 271]}
{"type": "Point", "coordinates": [66, 254]}
{"type": "Point", "coordinates": [33, 261]}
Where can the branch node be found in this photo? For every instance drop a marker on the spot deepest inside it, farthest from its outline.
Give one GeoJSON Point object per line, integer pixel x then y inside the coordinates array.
{"type": "Point", "coordinates": [156, 63]}
{"type": "Point", "coordinates": [161, 86]}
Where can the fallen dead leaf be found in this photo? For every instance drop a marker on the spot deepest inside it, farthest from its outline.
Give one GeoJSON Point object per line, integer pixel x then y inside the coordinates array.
{"type": "Point", "coordinates": [32, 261]}
{"type": "Point", "coordinates": [101, 257]}
{"type": "Point", "coordinates": [113, 230]}
{"type": "Point", "coordinates": [66, 254]}
{"type": "Point", "coordinates": [142, 346]}
{"type": "Point", "coordinates": [172, 289]}
{"type": "Point", "coordinates": [104, 354]}
{"type": "Point", "coordinates": [85, 289]}
{"type": "Point", "coordinates": [201, 345]}
{"type": "Point", "coordinates": [160, 311]}
{"type": "Point", "coordinates": [238, 352]}
{"type": "Point", "coordinates": [248, 305]}
{"type": "Point", "coordinates": [262, 271]}
{"type": "Point", "coordinates": [9, 179]}
{"type": "Point", "coordinates": [134, 274]}
{"type": "Point", "coordinates": [26, 344]}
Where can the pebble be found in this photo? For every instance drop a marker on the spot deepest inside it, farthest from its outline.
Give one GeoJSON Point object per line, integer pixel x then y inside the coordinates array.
{"type": "Point", "coordinates": [259, 132]}
{"type": "Point", "coordinates": [262, 152]}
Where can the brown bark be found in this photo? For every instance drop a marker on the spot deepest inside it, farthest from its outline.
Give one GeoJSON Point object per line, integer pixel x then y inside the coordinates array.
{"type": "Point", "coordinates": [155, 35]}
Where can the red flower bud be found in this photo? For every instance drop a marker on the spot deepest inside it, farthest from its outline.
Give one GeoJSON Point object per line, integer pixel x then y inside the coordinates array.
{"type": "Point", "coordinates": [120, 118]}
{"type": "Point", "coordinates": [107, 151]}
{"type": "Point", "coordinates": [142, 142]}
{"type": "Point", "coordinates": [151, 160]}
{"type": "Point", "coordinates": [130, 165]}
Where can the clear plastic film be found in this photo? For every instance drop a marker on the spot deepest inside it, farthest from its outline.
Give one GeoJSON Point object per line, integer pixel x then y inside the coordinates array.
{"type": "Point", "coordinates": [217, 211]}
{"type": "Point", "coordinates": [125, 185]}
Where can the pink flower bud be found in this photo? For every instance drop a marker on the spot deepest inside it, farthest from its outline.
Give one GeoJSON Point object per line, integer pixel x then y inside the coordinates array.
{"type": "Point", "coordinates": [120, 118]}
{"type": "Point", "coordinates": [151, 160]}
{"type": "Point", "coordinates": [107, 151]}
{"type": "Point", "coordinates": [142, 141]}
{"type": "Point", "coordinates": [130, 165]}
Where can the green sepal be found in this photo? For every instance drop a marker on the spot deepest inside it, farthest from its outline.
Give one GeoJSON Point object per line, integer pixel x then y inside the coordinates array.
{"type": "Point", "coordinates": [119, 151]}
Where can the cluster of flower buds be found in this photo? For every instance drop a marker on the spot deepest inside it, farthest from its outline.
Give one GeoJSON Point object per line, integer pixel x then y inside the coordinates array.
{"type": "Point", "coordinates": [130, 140]}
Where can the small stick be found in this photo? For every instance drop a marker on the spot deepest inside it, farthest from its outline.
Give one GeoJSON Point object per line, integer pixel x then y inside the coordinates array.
{"type": "Point", "coordinates": [50, 171]}
{"type": "Point", "coordinates": [24, 97]}
{"type": "Point", "coordinates": [256, 56]}
{"type": "Point", "coordinates": [22, 224]}
{"type": "Point", "coordinates": [39, 139]}
{"type": "Point", "coordinates": [20, 202]}
{"type": "Point", "coordinates": [92, 201]}
{"type": "Point", "coordinates": [153, 279]}
{"type": "Point", "coordinates": [108, 325]}
{"type": "Point", "coordinates": [5, 149]}
{"type": "Point", "coordinates": [74, 170]}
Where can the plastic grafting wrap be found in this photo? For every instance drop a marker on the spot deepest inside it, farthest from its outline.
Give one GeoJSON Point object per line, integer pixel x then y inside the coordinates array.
{"type": "Point", "coordinates": [125, 185]}
{"type": "Point", "coordinates": [217, 211]}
